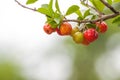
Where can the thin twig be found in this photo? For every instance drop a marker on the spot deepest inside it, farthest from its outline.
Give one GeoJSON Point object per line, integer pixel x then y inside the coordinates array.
{"type": "Point", "coordinates": [109, 6]}
{"type": "Point", "coordinates": [25, 6]}
{"type": "Point", "coordinates": [105, 17]}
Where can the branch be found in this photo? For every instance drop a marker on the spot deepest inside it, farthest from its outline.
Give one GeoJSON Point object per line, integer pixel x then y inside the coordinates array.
{"type": "Point", "coordinates": [105, 17]}
{"type": "Point", "coordinates": [109, 6]}
{"type": "Point", "coordinates": [25, 6]}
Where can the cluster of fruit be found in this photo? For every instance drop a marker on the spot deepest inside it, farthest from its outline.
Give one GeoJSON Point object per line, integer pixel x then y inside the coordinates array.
{"type": "Point", "coordinates": [84, 36]}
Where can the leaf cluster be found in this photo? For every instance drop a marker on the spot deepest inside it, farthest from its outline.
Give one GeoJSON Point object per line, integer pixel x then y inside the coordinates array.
{"type": "Point", "coordinates": [55, 17]}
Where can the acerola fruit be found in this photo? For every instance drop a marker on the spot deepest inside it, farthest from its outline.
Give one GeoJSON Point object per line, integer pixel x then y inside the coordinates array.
{"type": "Point", "coordinates": [48, 29]}
{"type": "Point", "coordinates": [85, 42]}
{"type": "Point", "coordinates": [58, 31]}
{"type": "Point", "coordinates": [90, 35]}
{"type": "Point", "coordinates": [78, 37]}
{"type": "Point", "coordinates": [74, 30]}
{"type": "Point", "coordinates": [65, 29]}
{"type": "Point", "coordinates": [102, 26]}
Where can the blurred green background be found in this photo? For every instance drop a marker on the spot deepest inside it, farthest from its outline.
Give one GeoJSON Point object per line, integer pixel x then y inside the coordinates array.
{"type": "Point", "coordinates": [87, 56]}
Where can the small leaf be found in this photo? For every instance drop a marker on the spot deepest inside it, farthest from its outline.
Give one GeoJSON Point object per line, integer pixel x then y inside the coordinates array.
{"type": "Point", "coordinates": [72, 9]}
{"type": "Point", "coordinates": [83, 3]}
{"type": "Point", "coordinates": [31, 1]}
{"type": "Point", "coordinates": [93, 17]}
{"type": "Point", "coordinates": [50, 6]}
{"type": "Point", "coordinates": [97, 4]}
{"type": "Point", "coordinates": [44, 6]}
{"type": "Point", "coordinates": [78, 12]}
{"type": "Point", "coordinates": [57, 18]}
{"type": "Point", "coordinates": [50, 3]}
{"type": "Point", "coordinates": [52, 23]}
{"type": "Point", "coordinates": [44, 11]}
{"type": "Point", "coordinates": [57, 6]}
{"type": "Point", "coordinates": [116, 20]}
{"type": "Point", "coordinates": [87, 12]}
{"type": "Point", "coordinates": [79, 18]}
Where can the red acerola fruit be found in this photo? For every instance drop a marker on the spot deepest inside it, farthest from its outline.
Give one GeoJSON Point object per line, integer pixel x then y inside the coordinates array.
{"type": "Point", "coordinates": [85, 42]}
{"type": "Point", "coordinates": [65, 29]}
{"type": "Point", "coordinates": [90, 35]}
{"type": "Point", "coordinates": [102, 26]}
{"type": "Point", "coordinates": [58, 31]}
{"type": "Point", "coordinates": [48, 29]}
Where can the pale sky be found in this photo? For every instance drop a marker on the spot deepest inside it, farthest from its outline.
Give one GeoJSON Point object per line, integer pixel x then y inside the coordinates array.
{"type": "Point", "coordinates": [23, 39]}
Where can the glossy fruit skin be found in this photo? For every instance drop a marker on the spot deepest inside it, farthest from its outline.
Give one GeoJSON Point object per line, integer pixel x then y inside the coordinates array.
{"type": "Point", "coordinates": [85, 42]}
{"type": "Point", "coordinates": [102, 26]}
{"type": "Point", "coordinates": [78, 37]}
{"type": "Point", "coordinates": [90, 35]}
{"type": "Point", "coordinates": [65, 29]}
{"type": "Point", "coordinates": [48, 29]}
{"type": "Point", "coordinates": [74, 30]}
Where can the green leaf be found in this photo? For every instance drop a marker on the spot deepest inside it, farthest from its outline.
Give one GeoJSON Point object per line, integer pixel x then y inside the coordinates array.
{"type": "Point", "coordinates": [83, 4]}
{"type": "Point", "coordinates": [98, 5]}
{"type": "Point", "coordinates": [116, 0]}
{"type": "Point", "coordinates": [44, 6]}
{"type": "Point", "coordinates": [79, 18]}
{"type": "Point", "coordinates": [57, 18]}
{"type": "Point", "coordinates": [51, 22]}
{"type": "Point", "coordinates": [87, 12]}
{"type": "Point", "coordinates": [93, 17]}
{"type": "Point", "coordinates": [44, 11]}
{"type": "Point", "coordinates": [50, 7]}
{"type": "Point", "coordinates": [31, 1]}
{"type": "Point", "coordinates": [50, 3]}
{"type": "Point", "coordinates": [72, 9]}
{"type": "Point", "coordinates": [109, 1]}
{"type": "Point", "coordinates": [116, 20]}
{"type": "Point", "coordinates": [57, 6]}
{"type": "Point", "coordinates": [78, 12]}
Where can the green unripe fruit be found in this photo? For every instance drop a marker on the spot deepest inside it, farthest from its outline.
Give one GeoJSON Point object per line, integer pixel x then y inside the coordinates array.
{"type": "Point", "coordinates": [78, 37]}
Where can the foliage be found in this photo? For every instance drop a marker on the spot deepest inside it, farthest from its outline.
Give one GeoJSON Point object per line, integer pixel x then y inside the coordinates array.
{"type": "Point", "coordinates": [56, 17]}
{"type": "Point", "coordinates": [31, 1]}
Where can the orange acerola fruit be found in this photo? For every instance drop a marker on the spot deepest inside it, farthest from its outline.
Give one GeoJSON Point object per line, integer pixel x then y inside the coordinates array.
{"type": "Point", "coordinates": [65, 29]}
